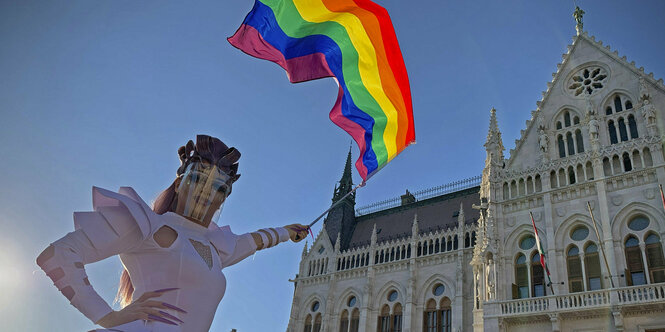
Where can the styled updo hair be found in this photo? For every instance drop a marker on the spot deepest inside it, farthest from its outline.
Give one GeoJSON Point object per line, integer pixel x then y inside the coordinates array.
{"type": "Point", "coordinates": [208, 148]}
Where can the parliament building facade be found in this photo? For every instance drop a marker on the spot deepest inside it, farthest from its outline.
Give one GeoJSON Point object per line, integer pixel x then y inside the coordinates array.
{"type": "Point", "coordinates": [463, 256]}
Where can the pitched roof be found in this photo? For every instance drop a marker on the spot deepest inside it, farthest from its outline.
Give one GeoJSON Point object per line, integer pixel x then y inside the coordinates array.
{"type": "Point", "coordinates": [605, 49]}
{"type": "Point", "coordinates": [434, 213]}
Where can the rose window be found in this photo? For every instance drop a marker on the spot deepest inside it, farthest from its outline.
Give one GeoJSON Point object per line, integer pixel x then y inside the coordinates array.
{"type": "Point", "coordinates": [587, 81]}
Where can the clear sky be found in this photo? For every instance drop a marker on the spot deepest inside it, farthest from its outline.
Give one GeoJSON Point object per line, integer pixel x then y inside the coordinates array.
{"type": "Point", "coordinates": [104, 92]}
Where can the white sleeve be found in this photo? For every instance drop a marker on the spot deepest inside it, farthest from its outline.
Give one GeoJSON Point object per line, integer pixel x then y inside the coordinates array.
{"type": "Point", "coordinates": [100, 234]}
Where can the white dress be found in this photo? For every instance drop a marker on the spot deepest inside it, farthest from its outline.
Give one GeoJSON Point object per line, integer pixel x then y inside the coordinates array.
{"type": "Point", "coordinates": [123, 224]}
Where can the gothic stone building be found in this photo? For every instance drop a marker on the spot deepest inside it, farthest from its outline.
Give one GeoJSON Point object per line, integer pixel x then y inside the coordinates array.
{"type": "Point", "coordinates": [463, 257]}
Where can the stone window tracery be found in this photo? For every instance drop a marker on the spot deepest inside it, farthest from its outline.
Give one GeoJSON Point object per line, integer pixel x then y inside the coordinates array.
{"type": "Point", "coordinates": [390, 322]}
{"type": "Point", "coordinates": [618, 113]}
{"type": "Point", "coordinates": [569, 134]}
{"type": "Point", "coordinates": [587, 81]}
{"type": "Point", "coordinates": [437, 319]}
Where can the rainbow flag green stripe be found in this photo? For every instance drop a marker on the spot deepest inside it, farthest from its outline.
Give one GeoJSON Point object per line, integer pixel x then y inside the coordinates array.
{"type": "Point", "coordinates": [353, 41]}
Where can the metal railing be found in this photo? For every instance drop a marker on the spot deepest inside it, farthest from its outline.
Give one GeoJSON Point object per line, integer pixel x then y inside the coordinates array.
{"type": "Point", "coordinates": [421, 195]}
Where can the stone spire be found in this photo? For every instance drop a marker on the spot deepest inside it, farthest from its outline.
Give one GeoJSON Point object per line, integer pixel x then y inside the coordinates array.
{"type": "Point", "coordinates": [494, 143]}
{"type": "Point", "coordinates": [373, 239]}
{"type": "Point", "coordinates": [578, 14]}
{"type": "Point", "coordinates": [346, 182]}
{"type": "Point", "coordinates": [414, 227]}
{"type": "Point", "coordinates": [341, 219]}
{"type": "Point", "coordinates": [304, 250]}
{"type": "Point", "coordinates": [460, 216]}
{"type": "Point", "coordinates": [337, 243]}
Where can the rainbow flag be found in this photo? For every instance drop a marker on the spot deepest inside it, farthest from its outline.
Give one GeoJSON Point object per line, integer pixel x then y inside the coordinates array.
{"type": "Point", "coordinates": [352, 41]}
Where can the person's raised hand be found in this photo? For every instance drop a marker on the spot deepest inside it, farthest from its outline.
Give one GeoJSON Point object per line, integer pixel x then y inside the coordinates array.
{"type": "Point", "coordinates": [143, 308]}
{"type": "Point", "coordinates": [297, 232]}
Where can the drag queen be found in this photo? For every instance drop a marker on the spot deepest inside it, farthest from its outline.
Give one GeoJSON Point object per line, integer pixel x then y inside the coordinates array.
{"type": "Point", "coordinates": [173, 254]}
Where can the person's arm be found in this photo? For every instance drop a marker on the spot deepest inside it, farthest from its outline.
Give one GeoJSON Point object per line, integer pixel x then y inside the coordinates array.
{"type": "Point", "coordinates": [99, 235]}
{"type": "Point", "coordinates": [233, 248]}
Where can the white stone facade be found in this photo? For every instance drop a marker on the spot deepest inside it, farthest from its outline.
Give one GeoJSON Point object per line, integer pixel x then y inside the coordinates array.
{"type": "Point", "coordinates": [566, 157]}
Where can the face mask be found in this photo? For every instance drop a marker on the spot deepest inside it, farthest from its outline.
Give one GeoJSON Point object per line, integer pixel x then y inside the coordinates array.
{"type": "Point", "coordinates": [202, 192]}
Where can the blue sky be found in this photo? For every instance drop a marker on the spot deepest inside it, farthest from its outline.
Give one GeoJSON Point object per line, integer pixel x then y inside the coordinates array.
{"type": "Point", "coordinates": [104, 92]}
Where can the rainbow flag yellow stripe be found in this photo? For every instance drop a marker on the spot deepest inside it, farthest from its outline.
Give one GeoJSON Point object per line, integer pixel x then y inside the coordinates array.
{"type": "Point", "coordinates": [352, 41]}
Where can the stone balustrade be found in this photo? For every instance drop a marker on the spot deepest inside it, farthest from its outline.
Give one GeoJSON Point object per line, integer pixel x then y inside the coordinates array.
{"type": "Point", "coordinates": [575, 302]}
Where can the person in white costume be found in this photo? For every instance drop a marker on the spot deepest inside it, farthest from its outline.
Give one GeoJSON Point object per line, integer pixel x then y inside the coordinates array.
{"type": "Point", "coordinates": [173, 254]}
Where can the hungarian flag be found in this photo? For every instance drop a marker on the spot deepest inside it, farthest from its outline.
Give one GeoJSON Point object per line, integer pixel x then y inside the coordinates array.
{"type": "Point", "coordinates": [540, 249]}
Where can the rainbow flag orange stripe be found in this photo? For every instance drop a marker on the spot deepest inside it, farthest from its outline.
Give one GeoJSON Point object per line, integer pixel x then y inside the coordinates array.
{"type": "Point", "coordinates": [353, 41]}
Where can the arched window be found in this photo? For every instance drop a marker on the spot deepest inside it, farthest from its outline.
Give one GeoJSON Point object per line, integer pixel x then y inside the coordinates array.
{"type": "Point", "coordinates": [537, 276]}
{"type": "Point", "coordinates": [308, 324]}
{"type": "Point", "coordinates": [608, 111]}
{"type": "Point", "coordinates": [622, 130]}
{"type": "Point", "coordinates": [521, 277]}
{"type": "Point", "coordinates": [455, 243]}
{"type": "Point", "coordinates": [467, 240]}
{"type": "Point", "coordinates": [571, 175]}
{"type": "Point", "coordinates": [431, 317]}
{"type": "Point", "coordinates": [553, 183]}
{"type": "Point", "coordinates": [571, 144]}
{"type": "Point", "coordinates": [574, 270]}
{"type": "Point", "coordinates": [607, 168]}
{"type": "Point", "coordinates": [521, 188]}
{"type": "Point", "coordinates": [613, 132]}
{"type": "Point", "coordinates": [445, 315]}
{"type": "Point", "coordinates": [629, 105]}
{"type": "Point", "coordinates": [506, 192]}
{"type": "Point", "coordinates": [589, 171]}
{"type": "Point", "coordinates": [397, 318]}
{"type": "Point", "coordinates": [317, 323]}
{"type": "Point", "coordinates": [539, 184]}
{"type": "Point", "coordinates": [617, 104]}
{"type": "Point", "coordinates": [637, 160]}
{"type": "Point", "coordinates": [655, 261]}
{"type": "Point", "coordinates": [632, 125]}
{"type": "Point", "coordinates": [635, 274]}
{"type": "Point", "coordinates": [344, 321]}
{"type": "Point", "coordinates": [562, 146]}
{"type": "Point", "coordinates": [566, 119]}
{"type": "Point", "coordinates": [646, 154]}
{"type": "Point", "coordinates": [579, 140]}
{"type": "Point", "coordinates": [384, 319]}
{"type": "Point", "coordinates": [558, 125]}
{"type": "Point", "coordinates": [355, 320]}
{"type": "Point", "coordinates": [627, 165]}
{"type": "Point", "coordinates": [592, 266]}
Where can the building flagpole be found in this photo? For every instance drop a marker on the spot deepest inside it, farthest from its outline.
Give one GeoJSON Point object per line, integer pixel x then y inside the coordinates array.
{"type": "Point", "coordinates": [600, 242]}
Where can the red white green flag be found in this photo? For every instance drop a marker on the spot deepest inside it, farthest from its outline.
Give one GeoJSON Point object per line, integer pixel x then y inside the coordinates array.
{"type": "Point", "coordinates": [540, 249]}
{"type": "Point", "coordinates": [662, 197]}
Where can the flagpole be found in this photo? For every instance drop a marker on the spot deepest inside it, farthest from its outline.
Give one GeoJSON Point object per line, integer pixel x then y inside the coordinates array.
{"type": "Point", "coordinates": [662, 197]}
{"type": "Point", "coordinates": [540, 251]}
{"type": "Point", "coordinates": [600, 242]}
{"type": "Point", "coordinates": [335, 204]}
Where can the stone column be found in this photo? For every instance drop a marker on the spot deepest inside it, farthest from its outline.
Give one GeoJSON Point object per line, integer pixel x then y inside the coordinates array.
{"type": "Point", "coordinates": [603, 222]}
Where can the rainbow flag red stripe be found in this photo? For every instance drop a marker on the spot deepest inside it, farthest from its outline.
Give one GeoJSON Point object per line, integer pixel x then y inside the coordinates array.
{"type": "Point", "coordinates": [352, 41]}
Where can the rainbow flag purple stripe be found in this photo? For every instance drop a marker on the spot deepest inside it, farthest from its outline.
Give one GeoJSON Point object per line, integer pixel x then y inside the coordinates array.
{"type": "Point", "coordinates": [352, 41]}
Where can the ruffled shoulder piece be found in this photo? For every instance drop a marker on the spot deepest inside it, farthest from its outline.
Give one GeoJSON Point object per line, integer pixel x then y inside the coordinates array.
{"type": "Point", "coordinates": [120, 210]}
{"type": "Point", "coordinates": [222, 238]}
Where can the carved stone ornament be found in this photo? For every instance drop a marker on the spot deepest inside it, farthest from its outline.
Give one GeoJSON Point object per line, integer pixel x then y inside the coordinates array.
{"type": "Point", "coordinates": [649, 193]}
{"type": "Point", "coordinates": [617, 200]}
{"type": "Point", "coordinates": [560, 211]}
{"type": "Point", "coordinates": [537, 216]}
{"type": "Point", "coordinates": [587, 81]}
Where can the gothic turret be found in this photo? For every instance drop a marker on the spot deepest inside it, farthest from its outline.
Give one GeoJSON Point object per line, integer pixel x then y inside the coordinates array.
{"type": "Point", "coordinates": [341, 219]}
{"type": "Point", "coordinates": [494, 159]}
